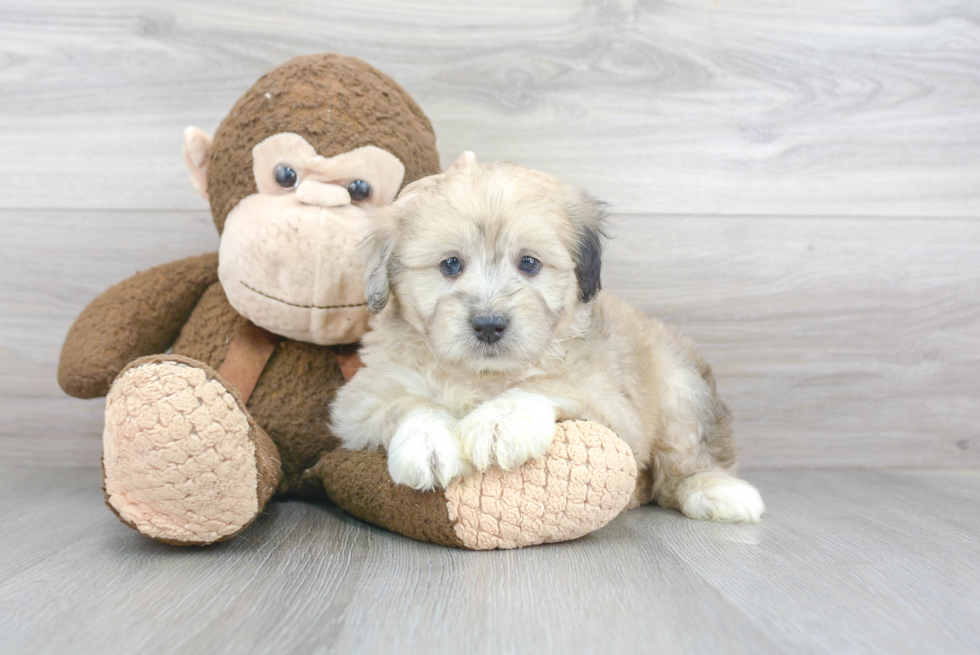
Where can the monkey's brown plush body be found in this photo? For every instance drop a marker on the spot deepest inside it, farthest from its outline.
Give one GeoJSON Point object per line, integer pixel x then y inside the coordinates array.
{"type": "Point", "coordinates": [191, 459]}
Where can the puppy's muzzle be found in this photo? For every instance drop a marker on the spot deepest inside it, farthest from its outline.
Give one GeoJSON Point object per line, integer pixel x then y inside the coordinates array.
{"type": "Point", "coordinates": [489, 328]}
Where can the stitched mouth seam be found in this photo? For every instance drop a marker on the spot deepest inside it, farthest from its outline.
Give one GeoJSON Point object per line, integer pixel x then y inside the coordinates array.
{"type": "Point", "coordinates": [292, 304]}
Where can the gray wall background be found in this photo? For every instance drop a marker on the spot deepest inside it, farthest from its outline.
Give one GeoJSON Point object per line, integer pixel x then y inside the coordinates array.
{"type": "Point", "coordinates": [795, 184]}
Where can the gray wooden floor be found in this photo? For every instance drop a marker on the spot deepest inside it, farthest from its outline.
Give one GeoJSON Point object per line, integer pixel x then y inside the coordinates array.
{"type": "Point", "coordinates": [845, 562]}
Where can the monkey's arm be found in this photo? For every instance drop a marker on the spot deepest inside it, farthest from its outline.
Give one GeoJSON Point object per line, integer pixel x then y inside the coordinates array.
{"type": "Point", "coordinates": [585, 480]}
{"type": "Point", "coordinates": [137, 317]}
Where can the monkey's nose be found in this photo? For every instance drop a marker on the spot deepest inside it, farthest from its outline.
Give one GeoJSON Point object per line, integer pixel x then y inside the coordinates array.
{"type": "Point", "coordinates": [322, 194]}
{"type": "Point", "coordinates": [489, 328]}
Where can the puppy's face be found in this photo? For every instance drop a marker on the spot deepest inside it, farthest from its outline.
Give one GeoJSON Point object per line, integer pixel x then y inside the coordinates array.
{"type": "Point", "coordinates": [489, 263]}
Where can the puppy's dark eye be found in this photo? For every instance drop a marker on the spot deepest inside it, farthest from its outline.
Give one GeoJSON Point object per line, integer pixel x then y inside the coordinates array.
{"type": "Point", "coordinates": [451, 266]}
{"type": "Point", "coordinates": [359, 190]}
{"type": "Point", "coordinates": [286, 177]}
{"type": "Point", "coordinates": [529, 265]}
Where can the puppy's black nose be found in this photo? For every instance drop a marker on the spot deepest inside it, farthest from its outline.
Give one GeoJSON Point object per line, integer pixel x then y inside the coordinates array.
{"type": "Point", "coordinates": [489, 327]}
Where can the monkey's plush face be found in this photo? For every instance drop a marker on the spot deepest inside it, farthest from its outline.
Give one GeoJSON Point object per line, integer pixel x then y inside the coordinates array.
{"type": "Point", "coordinates": [290, 258]}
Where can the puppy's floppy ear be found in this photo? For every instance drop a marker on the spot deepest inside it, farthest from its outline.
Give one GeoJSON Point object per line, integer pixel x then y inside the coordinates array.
{"type": "Point", "coordinates": [590, 219]}
{"type": "Point", "coordinates": [379, 244]}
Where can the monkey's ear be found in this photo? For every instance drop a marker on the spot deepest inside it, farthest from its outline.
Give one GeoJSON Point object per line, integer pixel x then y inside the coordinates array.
{"type": "Point", "coordinates": [197, 147]}
{"type": "Point", "coordinates": [590, 219]}
{"type": "Point", "coordinates": [379, 245]}
{"type": "Point", "coordinates": [467, 158]}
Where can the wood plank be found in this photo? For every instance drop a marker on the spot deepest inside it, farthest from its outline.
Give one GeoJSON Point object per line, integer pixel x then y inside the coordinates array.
{"type": "Point", "coordinates": [837, 342]}
{"type": "Point", "coordinates": [129, 594]}
{"type": "Point", "coordinates": [849, 561]}
{"type": "Point", "coordinates": [618, 591]}
{"type": "Point", "coordinates": [844, 561]}
{"type": "Point", "coordinates": [306, 578]}
{"type": "Point", "coordinates": [683, 106]}
{"type": "Point", "coordinates": [53, 263]}
{"type": "Point", "coordinates": [39, 500]}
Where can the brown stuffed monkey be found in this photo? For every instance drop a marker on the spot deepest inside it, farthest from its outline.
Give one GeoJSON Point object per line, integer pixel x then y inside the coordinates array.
{"type": "Point", "coordinates": [219, 369]}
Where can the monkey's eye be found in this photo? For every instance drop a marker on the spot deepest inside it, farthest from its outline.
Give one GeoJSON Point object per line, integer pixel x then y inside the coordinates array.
{"type": "Point", "coordinates": [451, 266]}
{"type": "Point", "coordinates": [529, 265]}
{"type": "Point", "coordinates": [359, 190]}
{"type": "Point", "coordinates": [286, 177]}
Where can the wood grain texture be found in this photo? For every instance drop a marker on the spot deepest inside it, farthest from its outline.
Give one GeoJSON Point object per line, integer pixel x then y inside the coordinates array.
{"type": "Point", "coordinates": [54, 263]}
{"type": "Point", "coordinates": [844, 561]}
{"type": "Point", "coordinates": [684, 106]}
{"type": "Point", "coordinates": [837, 342]}
{"type": "Point", "coordinates": [796, 183]}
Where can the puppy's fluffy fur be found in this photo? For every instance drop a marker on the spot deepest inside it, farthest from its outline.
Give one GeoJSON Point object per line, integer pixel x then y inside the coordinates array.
{"type": "Point", "coordinates": [444, 402]}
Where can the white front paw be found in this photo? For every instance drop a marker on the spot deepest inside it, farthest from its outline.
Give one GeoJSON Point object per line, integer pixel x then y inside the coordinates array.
{"type": "Point", "coordinates": [716, 496]}
{"type": "Point", "coordinates": [509, 430]}
{"type": "Point", "coordinates": [424, 453]}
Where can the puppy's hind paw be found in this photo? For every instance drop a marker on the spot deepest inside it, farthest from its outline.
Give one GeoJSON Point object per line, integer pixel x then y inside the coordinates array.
{"type": "Point", "coordinates": [717, 496]}
{"type": "Point", "coordinates": [509, 430]}
{"type": "Point", "coordinates": [424, 453]}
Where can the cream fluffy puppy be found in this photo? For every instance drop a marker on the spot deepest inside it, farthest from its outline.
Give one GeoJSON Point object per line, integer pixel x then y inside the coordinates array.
{"type": "Point", "coordinates": [490, 325]}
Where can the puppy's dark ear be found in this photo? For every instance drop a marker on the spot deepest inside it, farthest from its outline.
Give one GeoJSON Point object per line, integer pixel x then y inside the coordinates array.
{"type": "Point", "coordinates": [379, 245]}
{"type": "Point", "coordinates": [590, 219]}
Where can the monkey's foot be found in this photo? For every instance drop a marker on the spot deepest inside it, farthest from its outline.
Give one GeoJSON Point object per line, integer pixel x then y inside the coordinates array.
{"type": "Point", "coordinates": [585, 480]}
{"type": "Point", "coordinates": [183, 461]}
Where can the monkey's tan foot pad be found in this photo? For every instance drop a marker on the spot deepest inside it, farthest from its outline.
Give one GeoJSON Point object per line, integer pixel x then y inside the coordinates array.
{"type": "Point", "coordinates": [586, 479]}
{"type": "Point", "coordinates": [183, 462]}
